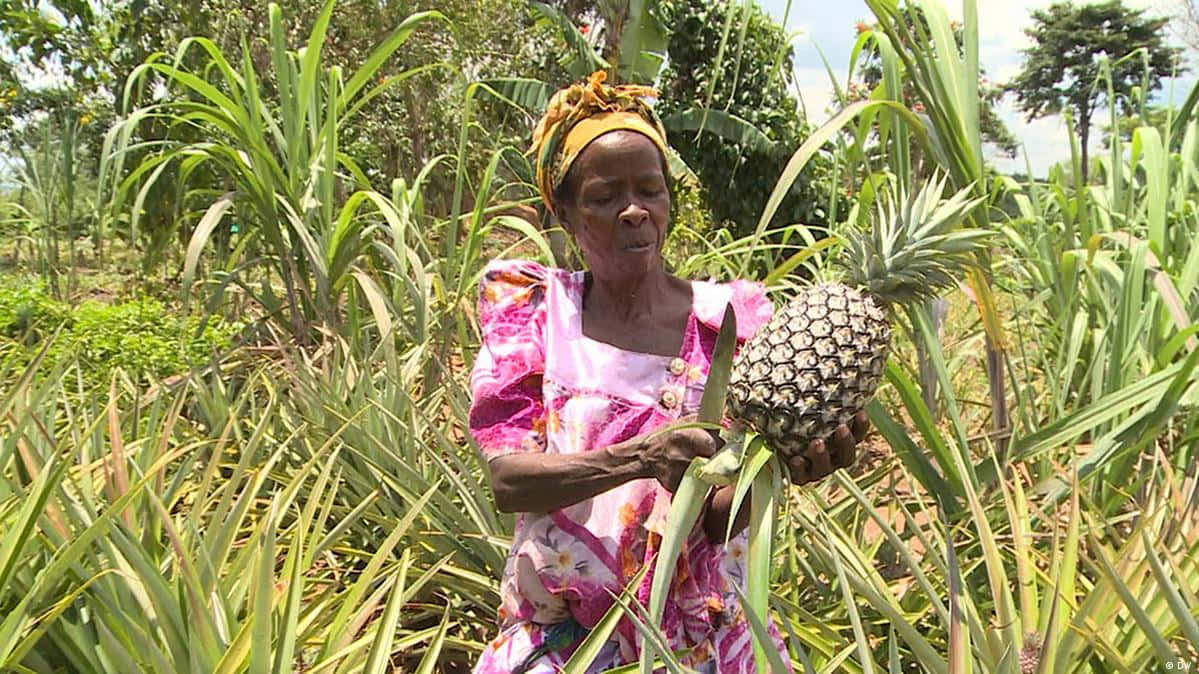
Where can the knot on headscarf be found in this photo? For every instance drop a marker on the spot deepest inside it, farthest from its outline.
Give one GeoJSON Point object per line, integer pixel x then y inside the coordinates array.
{"type": "Point", "coordinates": [579, 114]}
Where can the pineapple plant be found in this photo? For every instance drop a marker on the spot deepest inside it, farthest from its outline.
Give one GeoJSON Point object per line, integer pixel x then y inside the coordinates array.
{"type": "Point", "coordinates": [820, 358]}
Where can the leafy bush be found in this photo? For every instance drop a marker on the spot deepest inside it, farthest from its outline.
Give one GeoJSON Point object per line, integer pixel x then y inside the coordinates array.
{"type": "Point", "coordinates": [142, 336]}
{"type": "Point", "coordinates": [739, 180]}
{"type": "Point", "coordinates": [25, 308]}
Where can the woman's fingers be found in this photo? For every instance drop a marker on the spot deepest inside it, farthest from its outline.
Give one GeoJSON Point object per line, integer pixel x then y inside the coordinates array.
{"type": "Point", "coordinates": [699, 442]}
{"type": "Point", "coordinates": [671, 454]}
{"type": "Point", "coordinates": [799, 466]}
{"type": "Point", "coordinates": [811, 465]}
{"type": "Point", "coordinates": [823, 457]}
{"type": "Point", "coordinates": [860, 425]}
{"type": "Point", "coordinates": [843, 450]}
{"type": "Point", "coordinates": [702, 442]}
{"type": "Point", "coordinates": [822, 463]}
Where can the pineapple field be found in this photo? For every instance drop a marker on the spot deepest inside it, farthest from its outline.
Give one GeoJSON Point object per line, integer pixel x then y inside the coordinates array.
{"type": "Point", "coordinates": [236, 341]}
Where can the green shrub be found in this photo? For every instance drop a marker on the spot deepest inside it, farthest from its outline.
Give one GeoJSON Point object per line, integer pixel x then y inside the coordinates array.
{"type": "Point", "coordinates": [143, 337]}
{"type": "Point", "coordinates": [25, 309]}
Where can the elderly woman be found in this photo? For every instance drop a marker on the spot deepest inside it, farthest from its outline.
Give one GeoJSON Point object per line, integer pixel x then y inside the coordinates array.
{"type": "Point", "coordinates": [576, 373]}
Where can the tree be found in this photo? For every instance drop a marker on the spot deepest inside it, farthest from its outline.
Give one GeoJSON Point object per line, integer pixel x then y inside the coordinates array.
{"type": "Point", "coordinates": [1062, 66]}
{"type": "Point", "coordinates": [738, 177]}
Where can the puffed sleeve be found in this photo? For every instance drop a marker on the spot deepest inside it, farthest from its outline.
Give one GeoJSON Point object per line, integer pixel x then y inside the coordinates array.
{"type": "Point", "coordinates": [507, 413]}
{"type": "Point", "coordinates": [752, 307]}
{"type": "Point", "coordinates": [750, 304]}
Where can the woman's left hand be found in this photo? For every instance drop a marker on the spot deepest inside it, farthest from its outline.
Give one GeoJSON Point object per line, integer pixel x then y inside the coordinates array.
{"type": "Point", "coordinates": [823, 457]}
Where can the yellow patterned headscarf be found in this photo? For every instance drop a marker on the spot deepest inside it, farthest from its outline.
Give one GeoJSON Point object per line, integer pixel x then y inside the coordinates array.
{"type": "Point", "coordinates": [581, 113]}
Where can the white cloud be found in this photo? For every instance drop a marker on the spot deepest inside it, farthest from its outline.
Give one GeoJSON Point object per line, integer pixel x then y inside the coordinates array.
{"type": "Point", "coordinates": [817, 91]}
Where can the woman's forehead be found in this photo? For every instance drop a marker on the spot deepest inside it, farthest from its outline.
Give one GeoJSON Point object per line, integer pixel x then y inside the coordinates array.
{"type": "Point", "coordinates": [621, 174]}
{"type": "Point", "coordinates": [621, 153]}
{"type": "Point", "coordinates": [620, 141]}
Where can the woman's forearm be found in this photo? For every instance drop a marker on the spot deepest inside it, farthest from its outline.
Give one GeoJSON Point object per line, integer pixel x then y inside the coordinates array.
{"type": "Point", "coordinates": [716, 519]}
{"type": "Point", "coordinates": [540, 482]}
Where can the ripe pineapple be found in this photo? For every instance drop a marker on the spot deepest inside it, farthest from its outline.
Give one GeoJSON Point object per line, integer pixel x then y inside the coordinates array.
{"type": "Point", "coordinates": [820, 359]}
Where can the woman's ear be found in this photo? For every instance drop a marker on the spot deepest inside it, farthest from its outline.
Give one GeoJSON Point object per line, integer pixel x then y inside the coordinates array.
{"type": "Point", "coordinates": [564, 218]}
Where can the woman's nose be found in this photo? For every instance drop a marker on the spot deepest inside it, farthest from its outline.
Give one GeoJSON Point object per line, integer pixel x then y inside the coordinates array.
{"type": "Point", "coordinates": [634, 214]}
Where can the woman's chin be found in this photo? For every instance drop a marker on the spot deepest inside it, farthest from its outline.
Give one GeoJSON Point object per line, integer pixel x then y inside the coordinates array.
{"type": "Point", "coordinates": [631, 265]}
{"type": "Point", "coordinates": [644, 260]}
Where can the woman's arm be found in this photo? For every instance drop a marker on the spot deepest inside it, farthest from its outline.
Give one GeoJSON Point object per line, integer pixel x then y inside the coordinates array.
{"type": "Point", "coordinates": [539, 482]}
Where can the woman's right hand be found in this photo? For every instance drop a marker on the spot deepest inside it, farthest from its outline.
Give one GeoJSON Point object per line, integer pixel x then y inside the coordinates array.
{"type": "Point", "coordinates": [669, 452]}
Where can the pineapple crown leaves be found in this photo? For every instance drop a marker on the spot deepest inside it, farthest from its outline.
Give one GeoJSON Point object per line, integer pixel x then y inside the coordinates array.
{"type": "Point", "coordinates": [915, 247]}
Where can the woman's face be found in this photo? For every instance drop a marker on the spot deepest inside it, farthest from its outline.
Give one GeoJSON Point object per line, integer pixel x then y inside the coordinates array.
{"type": "Point", "coordinates": [620, 206]}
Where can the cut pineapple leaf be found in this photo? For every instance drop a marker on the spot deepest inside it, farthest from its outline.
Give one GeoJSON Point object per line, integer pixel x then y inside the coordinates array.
{"type": "Point", "coordinates": [757, 454]}
{"type": "Point", "coordinates": [685, 508]}
{"type": "Point", "coordinates": [763, 505]}
{"type": "Point", "coordinates": [711, 406]}
{"type": "Point", "coordinates": [722, 469]}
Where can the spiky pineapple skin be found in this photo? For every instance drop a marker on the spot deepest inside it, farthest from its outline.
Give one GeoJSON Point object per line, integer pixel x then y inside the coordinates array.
{"type": "Point", "coordinates": [812, 367]}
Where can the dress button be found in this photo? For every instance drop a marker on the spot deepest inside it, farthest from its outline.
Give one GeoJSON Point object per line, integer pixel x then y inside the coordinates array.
{"type": "Point", "coordinates": [669, 399]}
{"type": "Point", "coordinates": [678, 366]}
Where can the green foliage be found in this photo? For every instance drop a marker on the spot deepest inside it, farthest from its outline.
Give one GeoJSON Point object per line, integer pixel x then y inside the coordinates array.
{"type": "Point", "coordinates": [406, 125]}
{"type": "Point", "coordinates": [27, 310]}
{"type": "Point", "coordinates": [64, 37]}
{"type": "Point", "coordinates": [409, 124]}
{"type": "Point", "coordinates": [139, 336]}
{"type": "Point", "coordinates": [289, 184]}
{"type": "Point", "coordinates": [142, 337]}
{"type": "Point", "coordinates": [267, 534]}
{"type": "Point", "coordinates": [624, 37]}
{"type": "Point", "coordinates": [738, 179]}
{"type": "Point", "coordinates": [1061, 69]}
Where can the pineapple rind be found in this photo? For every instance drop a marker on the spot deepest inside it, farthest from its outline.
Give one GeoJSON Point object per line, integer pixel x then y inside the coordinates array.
{"type": "Point", "coordinates": [811, 368]}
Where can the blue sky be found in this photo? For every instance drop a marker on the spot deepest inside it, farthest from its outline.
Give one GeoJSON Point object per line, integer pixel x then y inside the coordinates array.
{"type": "Point", "coordinates": [829, 27]}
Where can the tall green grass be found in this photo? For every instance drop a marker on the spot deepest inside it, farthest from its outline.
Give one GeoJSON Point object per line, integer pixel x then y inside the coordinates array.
{"type": "Point", "coordinates": [295, 195]}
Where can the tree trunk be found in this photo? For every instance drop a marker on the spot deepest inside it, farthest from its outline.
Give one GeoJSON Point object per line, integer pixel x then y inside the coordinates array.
{"type": "Point", "coordinates": [1084, 136]}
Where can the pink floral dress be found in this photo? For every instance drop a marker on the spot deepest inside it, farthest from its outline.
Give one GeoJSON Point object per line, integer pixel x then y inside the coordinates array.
{"type": "Point", "coordinates": [541, 385]}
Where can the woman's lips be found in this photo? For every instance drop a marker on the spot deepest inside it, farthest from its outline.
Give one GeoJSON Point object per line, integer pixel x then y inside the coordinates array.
{"type": "Point", "coordinates": [639, 247]}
